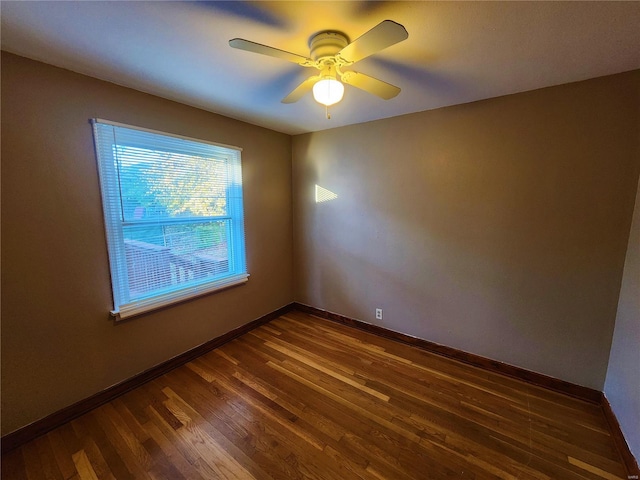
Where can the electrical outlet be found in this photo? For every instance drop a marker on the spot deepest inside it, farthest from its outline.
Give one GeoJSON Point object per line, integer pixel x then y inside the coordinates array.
{"type": "Point", "coordinates": [378, 314]}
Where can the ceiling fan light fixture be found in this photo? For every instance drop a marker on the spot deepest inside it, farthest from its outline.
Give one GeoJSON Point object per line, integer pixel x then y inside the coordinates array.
{"type": "Point", "coordinates": [328, 91]}
{"type": "Point", "coordinates": [329, 52]}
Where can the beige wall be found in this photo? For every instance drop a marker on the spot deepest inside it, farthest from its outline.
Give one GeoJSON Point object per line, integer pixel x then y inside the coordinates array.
{"type": "Point", "coordinates": [58, 343]}
{"type": "Point", "coordinates": [497, 227]}
{"type": "Point", "coordinates": [622, 386]}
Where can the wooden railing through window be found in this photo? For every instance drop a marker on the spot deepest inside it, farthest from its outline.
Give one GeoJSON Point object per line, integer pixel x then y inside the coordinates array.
{"type": "Point", "coordinates": [153, 267]}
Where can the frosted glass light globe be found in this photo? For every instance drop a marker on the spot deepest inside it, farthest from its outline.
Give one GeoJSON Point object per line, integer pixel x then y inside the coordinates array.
{"type": "Point", "coordinates": [328, 91]}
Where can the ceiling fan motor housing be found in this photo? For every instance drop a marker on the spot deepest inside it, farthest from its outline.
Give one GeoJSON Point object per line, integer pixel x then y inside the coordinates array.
{"type": "Point", "coordinates": [327, 45]}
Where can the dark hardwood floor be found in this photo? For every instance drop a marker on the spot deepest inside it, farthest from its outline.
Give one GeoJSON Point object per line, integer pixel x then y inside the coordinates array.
{"type": "Point", "coordinates": [302, 397]}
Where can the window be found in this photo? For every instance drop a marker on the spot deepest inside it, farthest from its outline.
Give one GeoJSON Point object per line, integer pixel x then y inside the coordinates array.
{"type": "Point", "coordinates": [173, 216]}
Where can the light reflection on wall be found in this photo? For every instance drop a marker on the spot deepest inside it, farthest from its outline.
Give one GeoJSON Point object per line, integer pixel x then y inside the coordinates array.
{"type": "Point", "coordinates": [324, 195]}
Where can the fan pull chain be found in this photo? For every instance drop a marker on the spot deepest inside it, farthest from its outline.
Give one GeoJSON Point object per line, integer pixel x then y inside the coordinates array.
{"type": "Point", "coordinates": [326, 108]}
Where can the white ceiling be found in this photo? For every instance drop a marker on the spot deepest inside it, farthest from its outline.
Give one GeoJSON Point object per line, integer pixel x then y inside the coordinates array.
{"type": "Point", "coordinates": [456, 52]}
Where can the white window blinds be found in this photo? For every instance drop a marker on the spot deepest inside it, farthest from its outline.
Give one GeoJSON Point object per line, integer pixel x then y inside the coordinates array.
{"type": "Point", "coordinates": [173, 216]}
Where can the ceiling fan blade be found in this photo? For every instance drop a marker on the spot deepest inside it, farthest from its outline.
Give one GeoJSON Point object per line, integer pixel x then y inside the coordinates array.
{"type": "Point", "coordinates": [254, 47]}
{"type": "Point", "coordinates": [247, 11]}
{"type": "Point", "coordinates": [301, 90]}
{"type": "Point", "coordinates": [381, 36]}
{"type": "Point", "coordinates": [371, 85]}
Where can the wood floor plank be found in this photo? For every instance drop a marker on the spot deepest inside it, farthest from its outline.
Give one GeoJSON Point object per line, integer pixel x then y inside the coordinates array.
{"type": "Point", "coordinates": [330, 418]}
{"type": "Point", "coordinates": [163, 467]}
{"type": "Point", "coordinates": [239, 425]}
{"type": "Point", "coordinates": [32, 462]}
{"type": "Point", "coordinates": [48, 459]}
{"type": "Point", "coordinates": [83, 466]}
{"type": "Point", "coordinates": [62, 454]}
{"type": "Point", "coordinates": [305, 398]}
{"type": "Point", "coordinates": [97, 461]}
{"type": "Point", "coordinates": [184, 451]}
{"type": "Point", "coordinates": [12, 465]}
{"type": "Point", "coordinates": [127, 450]}
{"type": "Point", "coordinates": [89, 428]}
{"type": "Point", "coordinates": [205, 445]}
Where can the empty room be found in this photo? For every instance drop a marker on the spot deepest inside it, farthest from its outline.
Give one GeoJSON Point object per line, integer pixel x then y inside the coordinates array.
{"type": "Point", "coordinates": [320, 240]}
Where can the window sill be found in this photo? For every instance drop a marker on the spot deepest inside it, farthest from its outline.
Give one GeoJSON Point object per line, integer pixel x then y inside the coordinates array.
{"type": "Point", "coordinates": [146, 305]}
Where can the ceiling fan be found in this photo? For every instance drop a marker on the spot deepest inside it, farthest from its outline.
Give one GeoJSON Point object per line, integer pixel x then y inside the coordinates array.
{"type": "Point", "coordinates": [330, 52]}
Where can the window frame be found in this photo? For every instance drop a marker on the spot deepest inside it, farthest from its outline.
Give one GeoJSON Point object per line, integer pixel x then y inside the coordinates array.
{"type": "Point", "coordinates": [115, 223]}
